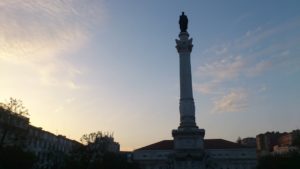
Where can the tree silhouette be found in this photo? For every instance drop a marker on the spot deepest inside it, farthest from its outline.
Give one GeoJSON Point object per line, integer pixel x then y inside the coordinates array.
{"type": "Point", "coordinates": [95, 154]}
{"type": "Point", "coordinates": [239, 140]}
{"type": "Point", "coordinates": [12, 113]}
{"type": "Point", "coordinates": [15, 106]}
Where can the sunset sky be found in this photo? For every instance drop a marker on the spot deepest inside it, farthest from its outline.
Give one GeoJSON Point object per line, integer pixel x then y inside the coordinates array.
{"type": "Point", "coordinates": [81, 66]}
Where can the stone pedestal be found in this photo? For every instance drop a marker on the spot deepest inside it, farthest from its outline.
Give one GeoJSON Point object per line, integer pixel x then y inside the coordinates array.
{"type": "Point", "coordinates": [188, 148]}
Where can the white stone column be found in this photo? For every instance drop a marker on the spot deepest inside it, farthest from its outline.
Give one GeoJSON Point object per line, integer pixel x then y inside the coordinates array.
{"type": "Point", "coordinates": [188, 138]}
{"type": "Point", "coordinates": [187, 108]}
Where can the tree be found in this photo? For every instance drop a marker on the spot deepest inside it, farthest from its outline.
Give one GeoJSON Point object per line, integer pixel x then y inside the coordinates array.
{"type": "Point", "coordinates": [15, 106]}
{"type": "Point", "coordinates": [96, 154]}
{"type": "Point", "coordinates": [93, 137]}
{"type": "Point", "coordinates": [11, 112]}
{"type": "Point", "coordinates": [97, 144]}
{"type": "Point", "coordinates": [239, 140]}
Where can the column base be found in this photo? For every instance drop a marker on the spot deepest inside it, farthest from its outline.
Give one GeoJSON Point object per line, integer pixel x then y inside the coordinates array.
{"type": "Point", "coordinates": [188, 148]}
{"type": "Point", "coordinates": [188, 139]}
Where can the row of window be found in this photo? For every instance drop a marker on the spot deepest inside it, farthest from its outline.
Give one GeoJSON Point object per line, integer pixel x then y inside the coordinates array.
{"type": "Point", "coordinates": [226, 155]}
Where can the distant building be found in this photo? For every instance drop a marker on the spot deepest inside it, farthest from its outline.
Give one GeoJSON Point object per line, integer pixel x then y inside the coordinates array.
{"type": "Point", "coordinates": [275, 142]}
{"type": "Point", "coordinates": [289, 139]}
{"type": "Point", "coordinates": [48, 147]}
{"type": "Point", "coordinates": [128, 155]}
{"type": "Point", "coordinates": [266, 142]}
{"type": "Point", "coordinates": [219, 154]}
{"type": "Point", "coordinates": [249, 141]}
{"type": "Point", "coordinates": [15, 130]}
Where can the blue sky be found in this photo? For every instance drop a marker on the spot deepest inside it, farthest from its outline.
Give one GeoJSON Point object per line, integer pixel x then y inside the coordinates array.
{"type": "Point", "coordinates": [112, 66]}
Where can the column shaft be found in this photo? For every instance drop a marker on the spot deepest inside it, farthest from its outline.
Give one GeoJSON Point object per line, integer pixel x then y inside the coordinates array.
{"type": "Point", "coordinates": [186, 105]}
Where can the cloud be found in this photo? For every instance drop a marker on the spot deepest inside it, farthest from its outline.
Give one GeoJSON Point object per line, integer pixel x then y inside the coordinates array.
{"type": "Point", "coordinates": [206, 88]}
{"type": "Point", "coordinates": [262, 89]}
{"type": "Point", "coordinates": [40, 33]}
{"type": "Point", "coordinates": [59, 109]}
{"type": "Point", "coordinates": [221, 70]}
{"type": "Point", "coordinates": [260, 67]}
{"type": "Point", "coordinates": [59, 74]}
{"type": "Point", "coordinates": [234, 101]}
{"type": "Point", "coordinates": [217, 73]}
{"type": "Point", "coordinates": [253, 32]}
{"type": "Point", "coordinates": [228, 66]}
{"type": "Point", "coordinates": [64, 104]}
{"type": "Point", "coordinates": [253, 53]}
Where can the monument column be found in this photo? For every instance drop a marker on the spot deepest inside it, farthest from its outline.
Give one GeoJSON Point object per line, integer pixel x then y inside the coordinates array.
{"type": "Point", "coordinates": [186, 106]}
{"type": "Point", "coordinates": [188, 138]}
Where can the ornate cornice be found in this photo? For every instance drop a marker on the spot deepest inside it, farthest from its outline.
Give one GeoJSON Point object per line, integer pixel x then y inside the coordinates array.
{"type": "Point", "coordinates": [184, 45]}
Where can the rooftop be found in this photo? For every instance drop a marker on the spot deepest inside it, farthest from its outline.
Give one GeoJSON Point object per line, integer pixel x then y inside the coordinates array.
{"type": "Point", "coordinates": [208, 144]}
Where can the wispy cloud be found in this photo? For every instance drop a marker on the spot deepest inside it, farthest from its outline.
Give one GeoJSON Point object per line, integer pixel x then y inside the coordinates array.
{"type": "Point", "coordinates": [39, 34]}
{"type": "Point", "coordinates": [260, 67]}
{"type": "Point", "coordinates": [65, 103]}
{"type": "Point", "coordinates": [59, 74]}
{"type": "Point", "coordinates": [262, 88]}
{"type": "Point", "coordinates": [234, 101]}
{"type": "Point", "coordinates": [207, 88]}
{"type": "Point", "coordinates": [227, 65]}
{"type": "Point", "coordinates": [224, 69]}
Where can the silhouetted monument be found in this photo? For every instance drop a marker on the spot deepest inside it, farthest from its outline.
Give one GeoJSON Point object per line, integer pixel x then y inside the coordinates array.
{"type": "Point", "coordinates": [183, 22]}
{"type": "Point", "coordinates": [188, 149]}
{"type": "Point", "coordinates": [188, 138]}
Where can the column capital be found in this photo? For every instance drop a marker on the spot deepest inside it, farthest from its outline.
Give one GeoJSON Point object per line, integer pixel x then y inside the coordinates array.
{"type": "Point", "coordinates": [184, 44]}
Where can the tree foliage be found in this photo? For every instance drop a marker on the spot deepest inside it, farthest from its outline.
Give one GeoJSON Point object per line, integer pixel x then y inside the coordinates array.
{"type": "Point", "coordinates": [94, 154]}
{"type": "Point", "coordinates": [93, 137]}
{"type": "Point", "coordinates": [9, 112]}
{"type": "Point", "coordinates": [239, 140]}
{"type": "Point", "coordinates": [14, 106]}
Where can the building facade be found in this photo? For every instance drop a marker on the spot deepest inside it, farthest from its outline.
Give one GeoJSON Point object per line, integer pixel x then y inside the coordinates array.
{"type": "Point", "coordinates": [219, 154]}
{"type": "Point", "coordinates": [249, 141]}
{"type": "Point", "coordinates": [48, 147]}
{"type": "Point", "coordinates": [276, 142]}
{"type": "Point", "coordinates": [15, 130]}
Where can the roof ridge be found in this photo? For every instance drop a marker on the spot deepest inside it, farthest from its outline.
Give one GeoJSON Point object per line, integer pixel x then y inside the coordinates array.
{"type": "Point", "coordinates": [208, 143]}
